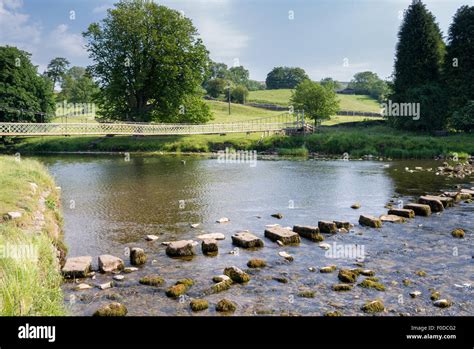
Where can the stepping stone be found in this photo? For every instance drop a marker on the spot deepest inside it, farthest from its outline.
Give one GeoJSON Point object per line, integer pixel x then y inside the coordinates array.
{"type": "Point", "coordinates": [77, 267]}
{"type": "Point", "coordinates": [392, 218]}
{"type": "Point", "coordinates": [446, 201]}
{"type": "Point", "coordinates": [212, 236]}
{"type": "Point", "coordinates": [341, 224]}
{"type": "Point", "coordinates": [370, 221]}
{"type": "Point", "coordinates": [419, 209]}
{"type": "Point", "coordinates": [137, 256]}
{"type": "Point", "coordinates": [435, 204]}
{"type": "Point", "coordinates": [456, 196]}
{"type": "Point", "coordinates": [328, 227]}
{"type": "Point", "coordinates": [246, 240]}
{"type": "Point", "coordinates": [108, 263]}
{"type": "Point", "coordinates": [209, 247]}
{"type": "Point", "coordinates": [467, 191]}
{"type": "Point", "coordinates": [308, 232]}
{"type": "Point", "coordinates": [402, 212]}
{"type": "Point", "coordinates": [181, 248]}
{"type": "Point", "coordinates": [284, 235]}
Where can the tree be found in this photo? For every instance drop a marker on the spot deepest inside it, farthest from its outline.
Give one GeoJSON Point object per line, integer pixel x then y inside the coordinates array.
{"type": "Point", "coordinates": [253, 85]}
{"type": "Point", "coordinates": [238, 75]}
{"type": "Point", "coordinates": [368, 83]}
{"type": "Point", "coordinates": [56, 69]}
{"type": "Point", "coordinates": [239, 94]}
{"type": "Point", "coordinates": [216, 87]}
{"type": "Point", "coordinates": [463, 119]}
{"type": "Point", "coordinates": [78, 87]}
{"type": "Point", "coordinates": [22, 88]}
{"type": "Point", "coordinates": [285, 77]}
{"type": "Point", "coordinates": [459, 61]}
{"type": "Point", "coordinates": [331, 83]}
{"type": "Point", "coordinates": [419, 58]}
{"type": "Point", "coordinates": [148, 60]}
{"type": "Point", "coordinates": [318, 102]}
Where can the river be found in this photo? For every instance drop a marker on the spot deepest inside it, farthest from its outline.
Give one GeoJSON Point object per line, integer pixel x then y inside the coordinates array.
{"type": "Point", "coordinates": [111, 202]}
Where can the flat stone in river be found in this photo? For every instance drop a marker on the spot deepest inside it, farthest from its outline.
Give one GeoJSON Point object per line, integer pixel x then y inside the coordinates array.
{"type": "Point", "coordinates": [245, 239]}
{"type": "Point", "coordinates": [286, 236]}
{"type": "Point", "coordinates": [370, 221]}
{"type": "Point", "coordinates": [181, 248]}
{"type": "Point", "coordinates": [402, 212]}
{"type": "Point", "coordinates": [419, 209]}
{"type": "Point", "coordinates": [328, 227]}
{"type": "Point", "coordinates": [108, 263]}
{"type": "Point", "coordinates": [435, 204]}
{"type": "Point", "coordinates": [308, 232]}
{"type": "Point", "coordinates": [446, 201]}
{"type": "Point", "coordinates": [392, 218]}
{"type": "Point", "coordinates": [77, 267]}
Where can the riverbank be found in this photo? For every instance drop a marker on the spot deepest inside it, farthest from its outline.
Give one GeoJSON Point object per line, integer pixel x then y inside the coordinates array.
{"type": "Point", "coordinates": [357, 141]}
{"type": "Point", "coordinates": [30, 240]}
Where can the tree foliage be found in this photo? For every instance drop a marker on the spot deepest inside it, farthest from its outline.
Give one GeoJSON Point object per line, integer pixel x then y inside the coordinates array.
{"type": "Point", "coordinates": [331, 83]}
{"type": "Point", "coordinates": [216, 87]}
{"type": "Point", "coordinates": [463, 119]}
{"type": "Point", "coordinates": [318, 102]}
{"type": "Point", "coordinates": [77, 86]}
{"type": "Point", "coordinates": [419, 58]}
{"type": "Point", "coordinates": [57, 69]}
{"type": "Point", "coordinates": [22, 88]}
{"type": "Point", "coordinates": [368, 83]}
{"type": "Point", "coordinates": [285, 77]}
{"type": "Point", "coordinates": [239, 94]}
{"type": "Point", "coordinates": [148, 61]}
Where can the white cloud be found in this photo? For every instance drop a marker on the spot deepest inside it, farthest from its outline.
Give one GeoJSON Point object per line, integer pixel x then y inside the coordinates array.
{"type": "Point", "coordinates": [64, 43]}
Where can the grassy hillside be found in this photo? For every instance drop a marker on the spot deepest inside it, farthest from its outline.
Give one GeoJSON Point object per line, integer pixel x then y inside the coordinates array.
{"type": "Point", "coordinates": [347, 102]}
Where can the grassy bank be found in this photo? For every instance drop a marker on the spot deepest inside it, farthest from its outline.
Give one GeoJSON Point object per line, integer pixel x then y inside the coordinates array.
{"type": "Point", "coordinates": [30, 278]}
{"type": "Point", "coordinates": [357, 141]}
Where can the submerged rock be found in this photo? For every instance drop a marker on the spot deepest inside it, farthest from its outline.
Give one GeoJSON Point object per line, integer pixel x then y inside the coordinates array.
{"type": "Point", "coordinates": [415, 294]}
{"type": "Point", "coordinates": [435, 295]}
{"type": "Point", "coordinates": [77, 267]}
{"type": "Point", "coordinates": [130, 269]}
{"type": "Point", "coordinates": [308, 232]}
{"type": "Point", "coordinates": [108, 263]}
{"type": "Point", "coordinates": [333, 313]}
{"type": "Point", "coordinates": [111, 309]}
{"type": "Point", "coordinates": [220, 278]}
{"type": "Point", "coordinates": [199, 304]}
{"type": "Point", "coordinates": [221, 286]}
{"type": "Point", "coordinates": [137, 256]}
{"type": "Point", "coordinates": [328, 269]}
{"type": "Point", "coordinates": [375, 306]}
{"type": "Point", "coordinates": [151, 280]}
{"type": "Point", "coordinates": [355, 206]}
{"type": "Point", "coordinates": [370, 221]}
{"type": "Point", "coordinates": [286, 236]}
{"type": "Point", "coordinates": [176, 290]}
{"type": "Point", "coordinates": [442, 303]}
{"type": "Point", "coordinates": [367, 283]}
{"type": "Point", "coordinates": [226, 306]}
{"type": "Point", "coordinates": [237, 275]}
{"type": "Point", "coordinates": [327, 227]}
{"type": "Point", "coordinates": [223, 220]}
{"type": "Point", "coordinates": [181, 248]}
{"type": "Point", "coordinates": [280, 279]}
{"type": "Point", "coordinates": [277, 215]}
{"type": "Point", "coordinates": [458, 233]}
{"type": "Point", "coordinates": [188, 282]}
{"type": "Point", "coordinates": [82, 287]}
{"type": "Point", "coordinates": [419, 209]}
{"type": "Point", "coordinates": [246, 240]}
{"type": "Point", "coordinates": [367, 272]}
{"type": "Point", "coordinates": [306, 294]}
{"type": "Point", "coordinates": [286, 255]}
{"type": "Point", "coordinates": [342, 287]}
{"type": "Point", "coordinates": [348, 276]}
{"type": "Point", "coordinates": [421, 273]}
{"type": "Point", "coordinates": [256, 263]}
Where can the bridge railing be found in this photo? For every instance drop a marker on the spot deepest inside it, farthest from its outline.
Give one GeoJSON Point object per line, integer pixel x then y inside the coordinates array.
{"type": "Point", "coordinates": [52, 129]}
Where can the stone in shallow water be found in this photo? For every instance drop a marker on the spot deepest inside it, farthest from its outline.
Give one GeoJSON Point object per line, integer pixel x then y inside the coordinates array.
{"type": "Point", "coordinates": [415, 294]}
{"type": "Point", "coordinates": [209, 247]}
{"type": "Point", "coordinates": [419, 209]}
{"type": "Point", "coordinates": [328, 269]}
{"type": "Point", "coordinates": [375, 306]}
{"type": "Point", "coordinates": [370, 221]}
{"type": "Point", "coordinates": [246, 240]}
{"type": "Point", "coordinates": [137, 256]}
{"type": "Point", "coordinates": [458, 233]}
{"type": "Point", "coordinates": [442, 303]}
{"type": "Point", "coordinates": [151, 237]}
{"type": "Point", "coordinates": [402, 212]}
{"type": "Point", "coordinates": [392, 218]}
{"type": "Point", "coordinates": [78, 267]}
{"type": "Point", "coordinates": [109, 263]}
{"type": "Point", "coordinates": [199, 304]}
{"type": "Point", "coordinates": [308, 232]}
{"type": "Point", "coordinates": [435, 204]}
{"type": "Point", "coordinates": [105, 285]}
{"type": "Point", "coordinates": [327, 227]}
{"type": "Point", "coordinates": [82, 286]}
{"type": "Point", "coordinates": [343, 224]}
{"type": "Point", "coordinates": [236, 274]}
{"type": "Point", "coordinates": [130, 269]}
{"type": "Point", "coordinates": [181, 248]}
{"type": "Point", "coordinates": [223, 220]}
{"type": "Point", "coordinates": [118, 277]}
{"type": "Point", "coordinates": [225, 305]}
{"type": "Point", "coordinates": [284, 235]}
{"type": "Point", "coordinates": [286, 255]}
{"type": "Point", "coordinates": [111, 309]}
{"type": "Point", "coordinates": [214, 236]}
{"type": "Point", "coordinates": [446, 201]}
{"type": "Point", "coordinates": [256, 263]}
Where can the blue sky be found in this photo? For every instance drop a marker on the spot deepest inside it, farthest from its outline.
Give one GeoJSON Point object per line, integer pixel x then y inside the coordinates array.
{"type": "Point", "coordinates": [317, 35]}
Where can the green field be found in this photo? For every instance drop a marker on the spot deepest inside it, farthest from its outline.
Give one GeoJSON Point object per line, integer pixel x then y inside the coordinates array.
{"type": "Point", "coordinates": [347, 102]}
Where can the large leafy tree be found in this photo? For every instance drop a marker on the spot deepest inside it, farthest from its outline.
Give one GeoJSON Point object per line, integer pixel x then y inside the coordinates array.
{"type": "Point", "coordinates": [77, 86]}
{"type": "Point", "coordinates": [148, 61]}
{"type": "Point", "coordinates": [57, 69]}
{"type": "Point", "coordinates": [368, 83]}
{"type": "Point", "coordinates": [318, 102]}
{"type": "Point", "coordinates": [238, 75]}
{"type": "Point", "coordinates": [419, 58]}
{"type": "Point", "coordinates": [24, 94]}
{"type": "Point", "coordinates": [459, 61]}
{"type": "Point", "coordinates": [285, 77]}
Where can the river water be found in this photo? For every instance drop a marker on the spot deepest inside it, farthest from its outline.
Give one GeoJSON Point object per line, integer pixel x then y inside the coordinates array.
{"type": "Point", "coordinates": [110, 203]}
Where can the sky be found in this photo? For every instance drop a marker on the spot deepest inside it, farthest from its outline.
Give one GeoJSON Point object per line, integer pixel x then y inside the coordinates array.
{"type": "Point", "coordinates": [327, 38]}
